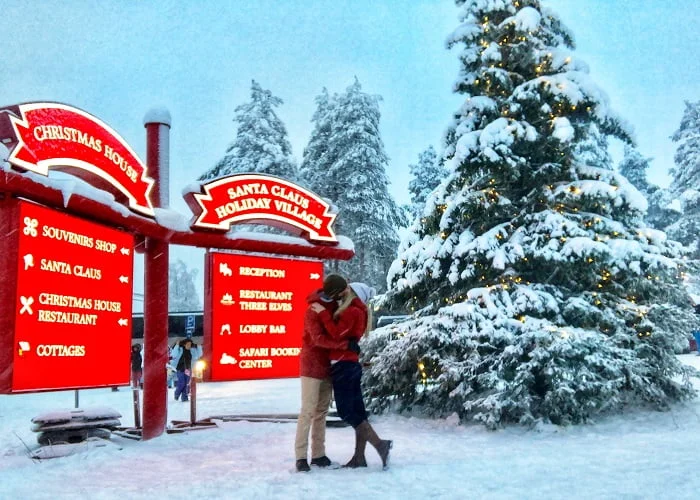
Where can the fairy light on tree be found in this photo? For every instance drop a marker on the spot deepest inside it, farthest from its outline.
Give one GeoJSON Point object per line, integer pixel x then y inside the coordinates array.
{"type": "Point", "coordinates": [545, 244]}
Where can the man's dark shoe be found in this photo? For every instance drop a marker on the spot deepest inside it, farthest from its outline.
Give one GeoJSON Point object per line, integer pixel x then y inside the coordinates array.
{"type": "Point", "coordinates": [323, 461]}
{"type": "Point", "coordinates": [303, 465]}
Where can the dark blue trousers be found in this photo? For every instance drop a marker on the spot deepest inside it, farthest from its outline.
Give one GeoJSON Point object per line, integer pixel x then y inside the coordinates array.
{"type": "Point", "coordinates": [182, 386]}
{"type": "Point", "coordinates": [347, 390]}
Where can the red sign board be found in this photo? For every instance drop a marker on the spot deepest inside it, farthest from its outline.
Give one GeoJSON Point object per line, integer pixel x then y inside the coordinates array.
{"type": "Point", "coordinates": [52, 135]}
{"type": "Point", "coordinates": [246, 198]}
{"type": "Point", "coordinates": [257, 309]}
{"type": "Point", "coordinates": [73, 302]}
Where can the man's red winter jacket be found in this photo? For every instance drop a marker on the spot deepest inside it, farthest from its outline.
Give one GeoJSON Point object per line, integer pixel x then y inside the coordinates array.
{"type": "Point", "coordinates": [316, 344]}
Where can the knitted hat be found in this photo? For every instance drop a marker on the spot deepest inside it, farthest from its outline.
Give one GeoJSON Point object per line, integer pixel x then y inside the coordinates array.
{"type": "Point", "coordinates": [363, 292]}
{"type": "Point", "coordinates": [334, 284]}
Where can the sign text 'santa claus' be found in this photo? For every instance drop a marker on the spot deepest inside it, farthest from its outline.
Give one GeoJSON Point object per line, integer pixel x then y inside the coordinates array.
{"type": "Point", "coordinates": [52, 135]}
{"type": "Point", "coordinates": [73, 302]}
{"type": "Point", "coordinates": [263, 199]}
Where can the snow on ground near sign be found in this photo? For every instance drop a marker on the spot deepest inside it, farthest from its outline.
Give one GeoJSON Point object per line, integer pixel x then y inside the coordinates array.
{"type": "Point", "coordinates": [639, 455]}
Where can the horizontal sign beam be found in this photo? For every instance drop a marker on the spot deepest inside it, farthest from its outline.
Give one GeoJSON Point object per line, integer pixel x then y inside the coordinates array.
{"type": "Point", "coordinates": [40, 191]}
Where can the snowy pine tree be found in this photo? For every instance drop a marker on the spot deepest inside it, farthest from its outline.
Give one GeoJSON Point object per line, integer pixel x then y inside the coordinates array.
{"type": "Point", "coordinates": [261, 145]}
{"type": "Point", "coordinates": [345, 162]}
{"type": "Point", "coordinates": [316, 159]}
{"type": "Point", "coordinates": [539, 294]}
{"type": "Point", "coordinates": [686, 177]}
{"type": "Point", "coordinates": [634, 167]}
{"type": "Point", "coordinates": [662, 213]}
{"type": "Point", "coordinates": [686, 172]}
{"type": "Point", "coordinates": [592, 148]}
{"type": "Point", "coordinates": [427, 174]}
{"type": "Point", "coordinates": [182, 293]}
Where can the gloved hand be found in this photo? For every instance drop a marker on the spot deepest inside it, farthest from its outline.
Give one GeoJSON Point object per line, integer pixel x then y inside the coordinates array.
{"type": "Point", "coordinates": [353, 346]}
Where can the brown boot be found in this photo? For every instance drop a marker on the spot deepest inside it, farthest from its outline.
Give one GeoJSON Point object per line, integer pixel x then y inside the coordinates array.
{"type": "Point", "coordinates": [383, 446]}
{"type": "Point", "coordinates": [358, 459]}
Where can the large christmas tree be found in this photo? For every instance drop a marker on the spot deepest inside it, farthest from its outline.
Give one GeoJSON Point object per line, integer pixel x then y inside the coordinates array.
{"type": "Point", "coordinates": [538, 293]}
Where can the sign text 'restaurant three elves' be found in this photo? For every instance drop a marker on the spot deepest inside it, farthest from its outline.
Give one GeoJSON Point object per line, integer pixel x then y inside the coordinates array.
{"type": "Point", "coordinates": [263, 199]}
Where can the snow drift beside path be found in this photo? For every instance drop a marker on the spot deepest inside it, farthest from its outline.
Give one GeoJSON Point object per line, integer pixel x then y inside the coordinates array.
{"type": "Point", "coordinates": [638, 455]}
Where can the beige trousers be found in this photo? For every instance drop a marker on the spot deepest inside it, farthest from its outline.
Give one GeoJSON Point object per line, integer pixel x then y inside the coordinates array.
{"type": "Point", "coordinates": [315, 400]}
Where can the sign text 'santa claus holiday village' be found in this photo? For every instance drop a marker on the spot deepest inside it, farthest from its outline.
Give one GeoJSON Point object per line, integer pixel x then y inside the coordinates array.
{"type": "Point", "coordinates": [74, 293]}
{"type": "Point", "coordinates": [257, 312]}
{"type": "Point", "coordinates": [261, 198]}
{"type": "Point", "coordinates": [57, 136]}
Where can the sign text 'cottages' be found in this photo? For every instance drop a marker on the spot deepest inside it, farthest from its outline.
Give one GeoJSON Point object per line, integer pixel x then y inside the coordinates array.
{"type": "Point", "coordinates": [58, 136]}
{"type": "Point", "coordinates": [257, 198]}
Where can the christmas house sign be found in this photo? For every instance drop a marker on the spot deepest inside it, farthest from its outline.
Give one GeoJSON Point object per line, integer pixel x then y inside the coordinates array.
{"type": "Point", "coordinates": [263, 199]}
{"type": "Point", "coordinates": [57, 136]}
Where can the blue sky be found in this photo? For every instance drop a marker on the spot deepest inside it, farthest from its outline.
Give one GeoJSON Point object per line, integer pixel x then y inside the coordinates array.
{"type": "Point", "coordinates": [117, 59]}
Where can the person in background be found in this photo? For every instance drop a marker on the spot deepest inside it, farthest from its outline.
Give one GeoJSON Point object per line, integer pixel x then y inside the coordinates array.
{"type": "Point", "coordinates": [136, 366]}
{"type": "Point", "coordinates": [349, 322]}
{"type": "Point", "coordinates": [696, 333]}
{"type": "Point", "coordinates": [315, 376]}
{"type": "Point", "coordinates": [185, 355]}
{"type": "Point", "coordinates": [170, 369]}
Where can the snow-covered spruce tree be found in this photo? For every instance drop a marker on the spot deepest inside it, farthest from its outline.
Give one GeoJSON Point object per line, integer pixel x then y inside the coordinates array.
{"type": "Point", "coordinates": [261, 145]}
{"type": "Point", "coordinates": [686, 177]}
{"type": "Point", "coordinates": [539, 294]}
{"type": "Point", "coordinates": [634, 167]}
{"type": "Point", "coordinates": [686, 172]}
{"type": "Point", "coordinates": [426, 175]}
{"type": "Point", "coordinates": [346, 163]}
{"type": "Point", "coordinates": [182, 293]}
{"type": "Point", "coordinates": [316, 159]}
{"type": "Point", "coordinates": [592, 148]}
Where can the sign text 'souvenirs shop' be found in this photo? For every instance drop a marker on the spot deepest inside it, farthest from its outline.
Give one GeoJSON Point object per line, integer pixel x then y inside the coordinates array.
{"type": "Point", "coordinates": [74, 297]}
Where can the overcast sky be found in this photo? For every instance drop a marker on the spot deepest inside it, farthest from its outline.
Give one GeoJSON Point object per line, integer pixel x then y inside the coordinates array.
{"type": "Point", "coordinates": [117, 59]}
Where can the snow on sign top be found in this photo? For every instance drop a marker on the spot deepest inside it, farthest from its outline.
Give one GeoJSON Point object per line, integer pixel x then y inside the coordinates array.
{"type": "Point", "coordinates": [57, 136]}
{"type": "Point", "coordinates": [258, 198]}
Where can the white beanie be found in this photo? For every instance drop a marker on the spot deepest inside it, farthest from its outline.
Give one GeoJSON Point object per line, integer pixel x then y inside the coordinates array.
{"type": "Point", "coordinates": [363, 292]}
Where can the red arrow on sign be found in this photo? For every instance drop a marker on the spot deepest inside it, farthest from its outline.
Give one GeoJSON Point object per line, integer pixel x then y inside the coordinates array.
{"type": "Point", "coordinates": [262, 199]}
{"type": "Point", "coordinates": [53, 135]}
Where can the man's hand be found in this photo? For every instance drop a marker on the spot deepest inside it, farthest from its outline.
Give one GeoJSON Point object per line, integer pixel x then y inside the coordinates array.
{"type": "Point", "coordinates": [353, 346]}
{"type": "Point", "coordinates": [317, 308]}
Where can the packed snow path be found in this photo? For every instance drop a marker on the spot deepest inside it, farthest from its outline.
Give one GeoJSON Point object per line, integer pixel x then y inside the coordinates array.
{"type": "Point", "coordinates": [639, 455]}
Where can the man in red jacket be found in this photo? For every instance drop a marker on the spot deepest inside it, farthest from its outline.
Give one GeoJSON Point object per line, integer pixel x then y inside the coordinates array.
{"type": "Point", "coordinates": [316, 387]}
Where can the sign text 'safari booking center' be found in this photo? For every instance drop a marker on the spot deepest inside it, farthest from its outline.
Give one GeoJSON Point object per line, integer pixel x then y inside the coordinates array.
{"type": "Point", "coordinates": [73, 303]}
{"type": "Point", "coordinates": [257, 314]}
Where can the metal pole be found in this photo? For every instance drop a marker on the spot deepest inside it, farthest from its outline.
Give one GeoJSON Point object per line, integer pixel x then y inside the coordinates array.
{"type": "Point", "coordinates": [137, 409]}
{"type": "Point", "coordinates": [193, 399]}
{"type": "Point", "coordinates": [77, 398]}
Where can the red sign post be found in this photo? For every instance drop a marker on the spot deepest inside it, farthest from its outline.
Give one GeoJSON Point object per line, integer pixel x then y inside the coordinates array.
{"type": "Point", "coordinates": [72, 317]}
{"type": "Point", "coordinates": [262, 199]}
{"type": "Point", "coordinates": [256, 309]}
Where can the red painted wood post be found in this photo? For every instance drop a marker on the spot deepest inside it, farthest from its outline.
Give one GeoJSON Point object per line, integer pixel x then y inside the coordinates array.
{"type": "Point", "coordinates": [156, 260]}
{"type": "Point", "coordinates": [9, 249]}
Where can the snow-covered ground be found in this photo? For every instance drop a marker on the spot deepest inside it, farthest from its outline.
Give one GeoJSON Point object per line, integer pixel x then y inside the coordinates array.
{"type": "Point", "coordinates": [639, 455]}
